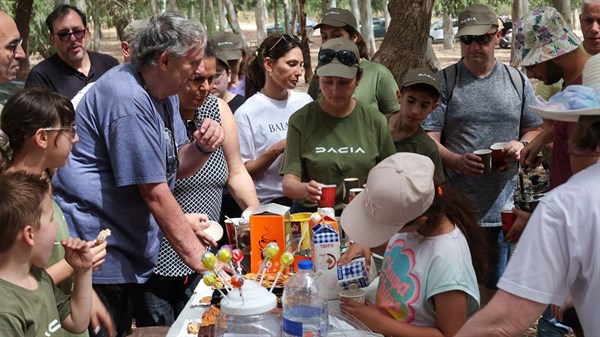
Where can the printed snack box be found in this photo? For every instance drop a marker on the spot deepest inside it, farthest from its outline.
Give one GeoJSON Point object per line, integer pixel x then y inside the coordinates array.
{"type": "Point", "coordinates": [269, 223]}
{"type": "Point", "coordinates": [325, 245]}
{"type": "Point", "coordinates": [356, 272]}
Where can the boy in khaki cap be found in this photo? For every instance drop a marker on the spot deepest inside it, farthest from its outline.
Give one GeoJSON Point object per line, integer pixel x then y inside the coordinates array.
{"type": "Point", "coordinates": [418, 97]}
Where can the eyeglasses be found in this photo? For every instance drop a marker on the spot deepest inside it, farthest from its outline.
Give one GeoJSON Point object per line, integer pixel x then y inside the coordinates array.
{"type": "Point", "coordinates": [14, 45]}
{"type": "Point", "coordinates": [479, 39]}
{"type": "Point", "coordinates": [346, 57]}
{"type": "Point", "coordinates": [72, 130]}
{"type": "Point", "coordinates": [287, 38]}
{"type": "Point", "coordinates": [66, 36]}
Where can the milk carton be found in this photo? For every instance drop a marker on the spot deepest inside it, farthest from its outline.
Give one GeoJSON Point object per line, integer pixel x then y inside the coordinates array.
{"type": "Point", "coordinates": [356, 272]}
{"type": "Point", "coordinates": [325, 251]}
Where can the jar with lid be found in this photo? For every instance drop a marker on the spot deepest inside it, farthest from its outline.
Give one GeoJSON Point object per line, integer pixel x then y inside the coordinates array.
{"type": "Point", "coordinates": [255, 314]}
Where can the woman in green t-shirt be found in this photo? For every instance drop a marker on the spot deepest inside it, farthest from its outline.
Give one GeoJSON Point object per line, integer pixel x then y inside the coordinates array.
{"type": "Point", "coordinates": [377, 86]}
{"type": "Point", "coordinates": [335, 137]}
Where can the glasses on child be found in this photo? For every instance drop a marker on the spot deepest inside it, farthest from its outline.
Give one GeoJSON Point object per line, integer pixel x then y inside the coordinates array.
{"type": "Point", "coordinates": [66, 36]}
{"type": "Point", "coordinates": [14, 45]}
{"type": "Point", "coordinates": [346, 57]}
{"type": "Point", "coordinates": [479, 39]}
{"type": "Point", "coordinates": [71, 130]}
{"type": "Point", "coordinates": [287, 38]}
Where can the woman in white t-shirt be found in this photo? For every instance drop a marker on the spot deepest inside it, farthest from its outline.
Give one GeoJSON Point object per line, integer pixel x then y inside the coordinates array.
{"type": "Point", "coordinates": [262, 121]}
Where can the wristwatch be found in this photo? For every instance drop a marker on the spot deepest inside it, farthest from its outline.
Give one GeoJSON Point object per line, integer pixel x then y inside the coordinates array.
{"type": "Point", "coordinates": [524, 143]}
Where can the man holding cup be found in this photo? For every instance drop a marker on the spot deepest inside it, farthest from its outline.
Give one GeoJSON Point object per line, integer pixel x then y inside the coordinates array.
{"type": "Point", "coordinates": [482, 102]}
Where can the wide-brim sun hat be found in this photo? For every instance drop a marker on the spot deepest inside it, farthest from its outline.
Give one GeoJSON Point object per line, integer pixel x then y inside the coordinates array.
{"type": "Point", "coordinates": [335, 67]}
{"type": "Point", "coordinates": [541, 35]}
{"type": "Point", "coordinates": [399, 189]}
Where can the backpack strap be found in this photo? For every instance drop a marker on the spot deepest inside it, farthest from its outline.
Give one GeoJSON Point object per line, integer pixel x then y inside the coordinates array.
{"type": "Point", "coordinates": [450, 77]}
{"type": "Point", "coordinates": [514, 75]}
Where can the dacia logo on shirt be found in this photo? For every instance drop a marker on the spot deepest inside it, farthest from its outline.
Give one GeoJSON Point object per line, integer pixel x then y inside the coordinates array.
{"type": "Point", "coordinates": [52, 328]}
{"type": "Point", "coordinates": [340, 150]}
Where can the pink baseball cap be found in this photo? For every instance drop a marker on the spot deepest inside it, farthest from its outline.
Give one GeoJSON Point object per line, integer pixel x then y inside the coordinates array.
{"type": "Point", "coordinates": [399, 189]}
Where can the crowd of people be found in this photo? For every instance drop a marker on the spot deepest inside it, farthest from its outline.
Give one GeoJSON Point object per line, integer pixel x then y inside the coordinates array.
{"type": "Point", "coordinates": [189, 128]}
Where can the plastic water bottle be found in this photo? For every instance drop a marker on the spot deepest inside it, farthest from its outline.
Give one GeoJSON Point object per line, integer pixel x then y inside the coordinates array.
{"type": "Point", "coordinates": [305, 311]}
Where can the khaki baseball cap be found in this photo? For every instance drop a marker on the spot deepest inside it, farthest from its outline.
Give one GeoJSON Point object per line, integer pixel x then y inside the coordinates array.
{"type": "Point", "coordinates": [338, 17]}
{"type": "Point", "coordinates": [422, 76]}
{"type": "Point", "coordinates": [476, 20]}
{"type": "Point", "coordinates": [132, 28]}
{"type": "Point", "coordinates": [329, 63]}
{"type": "Point", "coordinates": [229, 44]}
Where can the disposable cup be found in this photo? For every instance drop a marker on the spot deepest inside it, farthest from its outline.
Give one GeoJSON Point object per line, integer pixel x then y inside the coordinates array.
{"type": "Point", "coordinates": [327, 196]}
{"type": "Point", "coordinates": [486, 159]}
{"type": "Point", "coordinates": [231, 225]}
{"type": "Point", "coordinates": [349, 183]}
{"type": "Point", "coordinates": [214, 230]}
{"type": "Point", "coordinates": [508, 219]}
{"type": "Point", "coordinates": [357, 295]}
{"type": "Point", "coordinates": [498, 157]}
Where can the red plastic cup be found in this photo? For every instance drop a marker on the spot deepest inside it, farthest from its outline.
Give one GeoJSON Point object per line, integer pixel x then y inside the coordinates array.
{"type": "Point", "coordinates": [327, 196]}
{"type": "Point", "coordinates": [508, 219]}
{"type": "Point", "coordinates": [498, 157]}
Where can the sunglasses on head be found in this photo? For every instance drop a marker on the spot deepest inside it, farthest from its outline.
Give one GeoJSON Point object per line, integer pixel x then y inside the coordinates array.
{"type": "Point", "coordinates": [346, 57]}
{"type": "Point", "coordinates": [66, 36]}
{"type": "Point", "coordinates": [479, 39]}
{"type": "Point", "coordinates": [287, 38]}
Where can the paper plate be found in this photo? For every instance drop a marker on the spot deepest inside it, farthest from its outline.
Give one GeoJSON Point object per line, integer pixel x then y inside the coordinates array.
{"type": "Point", "coordinates": [564, 115]}
{"type": "Point", "coordinates": [214, 230]}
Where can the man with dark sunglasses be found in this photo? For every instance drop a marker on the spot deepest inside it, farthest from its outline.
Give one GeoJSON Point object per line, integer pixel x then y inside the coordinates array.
{"type": "Point", "coordinates": [72, 67]}
{"type": "Point", "coordinates": [483, 102]}
{"type": "Point", "coordinates": [11, 53]}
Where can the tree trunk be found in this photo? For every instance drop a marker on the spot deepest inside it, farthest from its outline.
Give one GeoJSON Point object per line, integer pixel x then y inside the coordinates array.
{"type": "Point", "coordinates": [430, 59]}
{"type": "Point", "coordinates": [61, 2]}
{"type": "Point", "coordinates": [355, 8]}
{"type": "Point", "coordinates": [287, 18]}
{"type": "Point", "coordinates": [222, 20]}
{"type": "Point", "coordinates": [22, 19]}
{"type": "Point", "coordinates": [234, 23]}
{"type": "Point", "coordinates": [406, 41]}
{"type": "Point", "coordinates": [308, 71]}
{"type": "Point", "coordinates": [81, 5]}
{"type": "Point", "coordinates": [448, 35]}
{"type": "Point", "coordinates": [366, 18]}
{"type": "Point", "coordinates": [564, 7]}
{"type": "Point", "coordinates": [276, 17]}
{"type": "Point", "coordinates": [97, 33]}
{"type": "Point", "coordinates": [202, 12]}
{"type": "Point", "coordinates": [173, 5]}
{"type": "Point", "coordinates": [153, 7]}
{"type": "Point", "coordinates": [261, 29]}
{"type": "Point", "coordinates": [294, 17]}
{"type": "Point", "coordinates": [326, 4]}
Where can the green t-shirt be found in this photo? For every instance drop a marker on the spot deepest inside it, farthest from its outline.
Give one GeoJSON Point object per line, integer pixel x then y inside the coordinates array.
{"type": "Point", "coordinates": [33, 313]}
{"type": "Point", "coordinates": [421, 143]}
{"type": "Point", "coordinates": [58, 253]}
{"type": "Point", "coordinates": [328, 149]}
{"type": "Point", "coordinates": [377, 88]}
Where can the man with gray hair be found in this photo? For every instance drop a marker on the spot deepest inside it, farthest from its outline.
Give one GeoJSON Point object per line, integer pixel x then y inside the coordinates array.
{"type": "Point", "coordinates": [590, 26]}
{"type": "Point", "coordinates": [132, 147]}
{"type": "Point", "coordinates": [11, 53]}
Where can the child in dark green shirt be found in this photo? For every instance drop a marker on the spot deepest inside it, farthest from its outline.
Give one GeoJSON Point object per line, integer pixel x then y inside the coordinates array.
{"type": "Point", "coordinates": [418, 97]}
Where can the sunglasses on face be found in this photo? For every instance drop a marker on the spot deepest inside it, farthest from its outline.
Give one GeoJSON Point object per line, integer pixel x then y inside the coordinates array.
{"type": "Point", "coordinates": [14, 45]}
{"type": "Point", "coordinates": [66, 36]}
{"type": "Point", "coordinates": [479, 39]}
{"type": "Point", "coordinates": [346, 57]}
{"type": "Point", "coordinates": [287, 38]}
{"type": "Point", "coordinates": [71, 130]}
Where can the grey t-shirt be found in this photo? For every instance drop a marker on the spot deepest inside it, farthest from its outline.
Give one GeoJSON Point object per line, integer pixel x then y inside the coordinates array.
{"type": "Point", "coordinates": [483, 111]}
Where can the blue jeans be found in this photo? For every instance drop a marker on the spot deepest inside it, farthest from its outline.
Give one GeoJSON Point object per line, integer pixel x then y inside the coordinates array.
{"type": "Point", "coordinates": [163, 298]}
{"type": "Point", "coordinates": [498, 254]}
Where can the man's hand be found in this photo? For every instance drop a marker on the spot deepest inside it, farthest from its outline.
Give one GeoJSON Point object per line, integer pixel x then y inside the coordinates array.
{"type": "Point", "coordinates": [513, 149]}
{"type": "Point", "coordinates": [199, 222]}
{"type": "Point", "coordinates": [77, 254]}
{"type": "Point", "coordinates": [470, 164]}
{"type": "Point", "coordinates": [312, 191]}
{"type": "Point", "coordinates": [529, 153]}
{"type": "Point", "coordinates": [101, 317]}
{"type": "Point", "coordinates": [559, 311]}
{"type": "Point", "coordinates": [99, 253]}
{"type": "Point", "coordinates": [210, 135]}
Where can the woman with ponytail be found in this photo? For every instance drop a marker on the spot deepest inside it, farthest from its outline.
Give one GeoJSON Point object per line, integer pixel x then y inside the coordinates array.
{"type": "Point", "coordinates": [262, 121]}
{"type": "Point", "coordinates": [432, 246]}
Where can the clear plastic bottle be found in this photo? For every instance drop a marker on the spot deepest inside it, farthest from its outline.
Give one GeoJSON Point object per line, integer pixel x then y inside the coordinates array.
{"type": "Point", "coordinates": [305, 311]}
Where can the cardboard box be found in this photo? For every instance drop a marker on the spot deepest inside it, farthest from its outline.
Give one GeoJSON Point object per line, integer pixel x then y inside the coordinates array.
{"type": "Point", "coordinates": [269, 223]}
{"type": "Point", "coordinates": [325, 245]}
{"type": "Point", "coordinates": [356, 272]}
